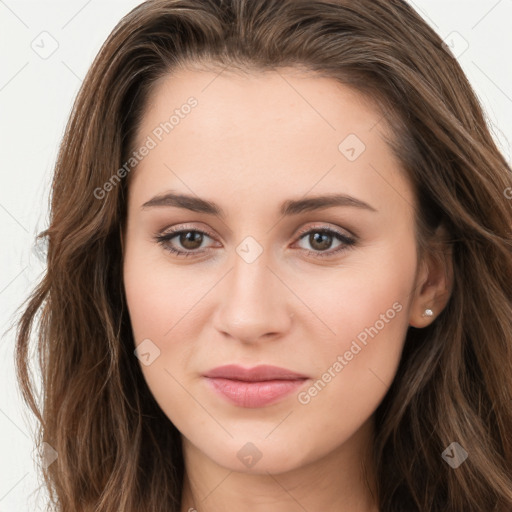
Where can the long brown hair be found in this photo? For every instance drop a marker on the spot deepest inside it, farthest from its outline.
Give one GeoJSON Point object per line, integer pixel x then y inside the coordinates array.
{"type": "Point", "coordinates": [116, 448]}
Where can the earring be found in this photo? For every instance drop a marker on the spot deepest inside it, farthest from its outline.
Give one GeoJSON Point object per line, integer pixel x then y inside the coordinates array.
{"type": "Point", "coordinates": [428, 312]}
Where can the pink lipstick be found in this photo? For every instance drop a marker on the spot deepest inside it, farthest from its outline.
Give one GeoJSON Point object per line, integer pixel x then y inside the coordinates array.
{"type": "Point", "coordinates": [254, 387]}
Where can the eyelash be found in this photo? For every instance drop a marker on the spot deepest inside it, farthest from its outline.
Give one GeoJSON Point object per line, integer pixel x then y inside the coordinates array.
{"type": "Point", "coordinates": [347, 242]}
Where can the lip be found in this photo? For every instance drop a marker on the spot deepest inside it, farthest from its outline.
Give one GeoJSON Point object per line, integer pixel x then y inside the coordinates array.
{"type": "Point", "coordinates": [254, 387]}
{"type": "Point", "coordinates": [257, 373]}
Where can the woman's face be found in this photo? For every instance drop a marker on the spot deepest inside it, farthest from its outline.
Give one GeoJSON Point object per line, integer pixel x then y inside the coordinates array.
{"type": "Point", "coordinates": [253, 160]}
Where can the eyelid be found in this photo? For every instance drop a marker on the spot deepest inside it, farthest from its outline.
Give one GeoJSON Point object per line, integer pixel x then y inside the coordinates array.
{"type": "Point", "coordinates": [348, 239]}
{"type": "Point", "coordinates": [318, 226]}
{"type": "Point", "coordinates": [185, 227]}
{"type": "Point", "coordinates": [327, 226]}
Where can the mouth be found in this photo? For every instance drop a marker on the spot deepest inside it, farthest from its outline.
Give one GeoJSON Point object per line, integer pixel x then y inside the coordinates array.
{"type": "Point", "coordinates": [253, 387]}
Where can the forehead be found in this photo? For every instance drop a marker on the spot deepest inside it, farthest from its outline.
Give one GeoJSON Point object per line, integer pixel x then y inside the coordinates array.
{"type": "Point", "coordinates": [263, 131]}
{"type": "Point", "coordinates": [227, 98]}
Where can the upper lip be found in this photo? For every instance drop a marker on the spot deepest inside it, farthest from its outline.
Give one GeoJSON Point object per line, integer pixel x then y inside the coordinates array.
{"type": "Point", "coordinates": [255, 374]}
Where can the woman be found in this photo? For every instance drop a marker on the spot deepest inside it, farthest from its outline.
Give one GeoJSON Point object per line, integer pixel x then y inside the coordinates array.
{"type": "Point", "coordinates": [279, 269]}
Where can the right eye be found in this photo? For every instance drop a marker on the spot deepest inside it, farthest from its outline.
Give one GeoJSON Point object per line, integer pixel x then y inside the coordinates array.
{"type": "Point", "coordinates": [190, 241]}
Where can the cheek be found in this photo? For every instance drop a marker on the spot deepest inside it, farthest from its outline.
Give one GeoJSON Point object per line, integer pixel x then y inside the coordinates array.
{"type": "Point", "coordinates": [162, 305]}
{"type": "Point", "coordinates": [346, 300]}
{"type": "Point", "coordinates": [158, 294]}
{"type": "Point", "coordinates": [368, 312]}
{"type": "Point", "coordinates": [155, 304]}
{"type": "Point", "coordinates": [355, 376]}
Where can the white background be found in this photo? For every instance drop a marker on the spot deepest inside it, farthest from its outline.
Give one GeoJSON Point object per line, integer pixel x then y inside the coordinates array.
{"type": "Point", "coordinates": [36, 95]}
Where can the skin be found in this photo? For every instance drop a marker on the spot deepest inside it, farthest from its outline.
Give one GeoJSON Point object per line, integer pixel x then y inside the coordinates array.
{"type": "Point", "coordinates": [251, 143]}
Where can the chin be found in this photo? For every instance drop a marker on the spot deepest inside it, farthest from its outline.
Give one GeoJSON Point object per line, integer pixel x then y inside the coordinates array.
{"type": "Point", "coordinates": [254, 455]}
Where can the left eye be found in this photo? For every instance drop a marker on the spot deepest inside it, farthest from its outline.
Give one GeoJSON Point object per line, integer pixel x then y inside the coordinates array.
{"type": "Point", "coordinates": [191, 240]}
{"type": "Point", "coordinates": [322, 239]}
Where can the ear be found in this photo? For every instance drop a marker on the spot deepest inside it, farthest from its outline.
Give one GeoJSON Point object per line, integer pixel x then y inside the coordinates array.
{"type": "Point", "coordinates": [434, 281]}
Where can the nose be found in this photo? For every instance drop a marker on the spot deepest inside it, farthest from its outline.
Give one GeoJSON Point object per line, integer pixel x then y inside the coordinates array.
{"type": "Point", "coordinates": [253, 305]}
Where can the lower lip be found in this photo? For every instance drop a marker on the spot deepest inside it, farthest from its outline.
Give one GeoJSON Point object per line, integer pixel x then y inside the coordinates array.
{"type": "Point", "coordinates": [254, 394]}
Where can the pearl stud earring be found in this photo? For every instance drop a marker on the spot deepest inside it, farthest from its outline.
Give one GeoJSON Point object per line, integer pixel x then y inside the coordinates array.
{"type": "Point", "coordinates": [428, 312]}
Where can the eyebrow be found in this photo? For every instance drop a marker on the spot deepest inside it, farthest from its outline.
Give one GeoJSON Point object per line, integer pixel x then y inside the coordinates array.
{"type": "Point", "coordinates": [288, 208]}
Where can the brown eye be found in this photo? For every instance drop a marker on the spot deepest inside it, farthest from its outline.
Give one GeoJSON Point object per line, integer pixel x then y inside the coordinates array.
{"type": "Point", "coordinates": [190, 240]}
{"type": "Point", "coordinates": [184, 242]}
{"type": "Point", "coordinates": [320, 241]}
